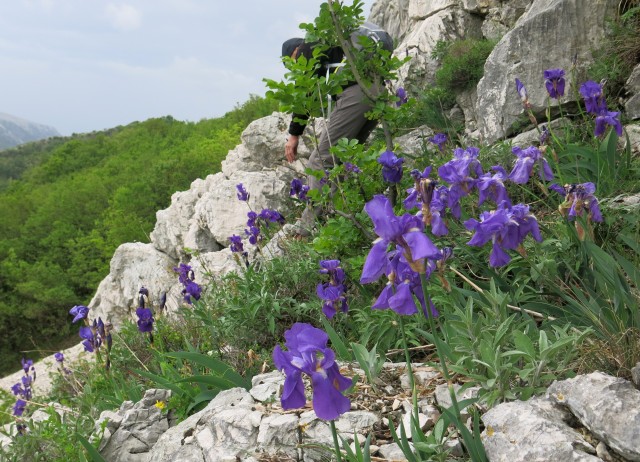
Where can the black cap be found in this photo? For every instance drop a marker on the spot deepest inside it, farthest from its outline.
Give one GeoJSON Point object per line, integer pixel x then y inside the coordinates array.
{"type": "Point", "coordinates": [290, 45]}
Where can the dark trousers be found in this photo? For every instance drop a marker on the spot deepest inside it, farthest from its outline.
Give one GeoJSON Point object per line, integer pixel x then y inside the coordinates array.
{"type": "Point", "coordinates": [346, 121]}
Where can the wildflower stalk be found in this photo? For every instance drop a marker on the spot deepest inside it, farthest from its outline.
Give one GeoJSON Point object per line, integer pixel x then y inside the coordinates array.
{"type": "Point", "coordinates": [412, 381]}
{"type": "Point", "coordinates": [336, 445]}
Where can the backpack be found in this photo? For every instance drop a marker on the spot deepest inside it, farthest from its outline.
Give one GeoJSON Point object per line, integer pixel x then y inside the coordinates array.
{"type": "Point", "coordinates": [375, 33]}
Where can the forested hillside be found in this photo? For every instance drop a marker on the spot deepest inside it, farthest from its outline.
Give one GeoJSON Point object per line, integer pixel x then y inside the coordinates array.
{"type": "Point", "coordinates": [67, 204]}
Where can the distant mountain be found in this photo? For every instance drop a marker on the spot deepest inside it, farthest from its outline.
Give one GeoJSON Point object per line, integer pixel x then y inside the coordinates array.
{"type": "Point", "coordinates": [15, 131]}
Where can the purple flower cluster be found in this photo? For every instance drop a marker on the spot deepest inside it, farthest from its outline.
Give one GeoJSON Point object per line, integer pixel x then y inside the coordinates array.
{"type": "Point", "coordinates": [256, 220]}
{"type": "Point", "coordinates": [351, 168]}
{"type": "Point", "coordinates": [190, 287]}
{"type": "Point", "coordinates": [308, 354]}
{"type": "Point", "coordinates": [461, 173]}
{"type": "Point", "coordinates": [299, 190]}
{"type": "Point", "coordinates": [439, 139]}
{"type": "Point", "coordinates": [145, 315]}
{"type": "Point", "coordinates": [595, 104]}
{"type": "Point", "coordinates": [236, 245]}
{"type": "Point", "coordinates": [391, 167]}
{"type": "Point", "coordinates": [23, 389]}
{"type": "Point", "coordinates": [526, 160]}
{"type": "Point", "coordinates": [94, 334]}
{"type": "Point", "coordinates": [579, 201]}
{"type": "Point", "coordinates": [332, 292]}
{"type": "Point", "coordinates": [506, 228]}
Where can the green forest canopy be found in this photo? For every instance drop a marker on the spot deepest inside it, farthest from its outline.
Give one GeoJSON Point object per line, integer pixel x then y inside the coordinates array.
{"type": "Point", "coordinates": [68, 203]}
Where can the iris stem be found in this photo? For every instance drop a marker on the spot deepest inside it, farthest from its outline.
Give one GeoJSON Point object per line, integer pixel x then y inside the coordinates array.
{"type": "Point", "coordinates": [336, 445]}
{"type": "Point", "coordinates": [438, 343]}
{"type": "Point", "coordinates": [412, 381]}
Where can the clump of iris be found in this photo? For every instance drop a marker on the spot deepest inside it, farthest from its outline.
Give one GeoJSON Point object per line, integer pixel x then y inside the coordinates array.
{"type": "Point", "coordinates": [299, 190]}
{"type": "Point", "coordinates": [191, 289]}
{"type": "Point", "coordinates": [332, 292]}
{"type": "Point", "coordinates": [307, 353]}
{"type": "Point", "coordinates": [24, 389]}
{"type": "Point", "coordinates": [506, 228]}
{"type": "Point", "coordinates": [144, 314]}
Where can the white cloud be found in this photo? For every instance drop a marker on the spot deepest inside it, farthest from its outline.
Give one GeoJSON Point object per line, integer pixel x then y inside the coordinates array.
{"type": "Point", "coordinates": [124, 16]}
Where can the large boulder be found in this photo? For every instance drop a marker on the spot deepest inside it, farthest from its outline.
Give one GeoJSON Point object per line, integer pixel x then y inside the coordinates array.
{"type": "Point", "coordinates": [551, 34]}
{"type": "Point", "coordinates": [133, 265]}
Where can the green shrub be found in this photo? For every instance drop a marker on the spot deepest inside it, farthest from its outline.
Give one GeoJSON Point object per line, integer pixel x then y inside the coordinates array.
{"type": "Point", "coordinates": [619, 53]}
{"type": "Point", "coordinates": [462, 64]}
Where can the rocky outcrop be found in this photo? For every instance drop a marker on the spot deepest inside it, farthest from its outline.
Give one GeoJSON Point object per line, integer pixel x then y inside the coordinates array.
{"type": "Point", "coordinates": [530, 48]}
{"type": "Point", "coordinates": [632, 106]}
{"type": "Point", "coordinates": [197, 225]}
{"type": "Point", "coordinates": [582, 419]}
{"type": "Point", "coordinates": [585, 419]}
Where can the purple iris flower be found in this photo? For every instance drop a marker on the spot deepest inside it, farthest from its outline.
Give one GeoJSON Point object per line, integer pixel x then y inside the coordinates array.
{"type": "Point", "coordinates": [186, 277]}
{"type": "Point", "coordinates": [605, 118]}
{"type": "Point", "coordinates": [459, 173]}
{"type": "Point", "coordinates": [253, 217]}
{"type": "Point", "coordinates": [145, 319]}
{"type": "Point", "coordinates": [17, 389]}
{"type": "Point", "coordinates": [299, 190]}
{"type": "Point", "coordinates": [242, 193]}
{"type": "Point", "coordinates": [391, 167]}
{"type": "Point", "coordinates": [579, 200]}
{"type": "Point", "coordinates": [593, 97]}
{"type": "Point", "coordinates": [522, 91]}
{"type": "Point", "coordinates": [59, 357]}
{"type": "Point", "coordinates": [544, 136]}
{"type": "Point", "coordinates": [26, 365]}
{"type": "Point", "coordinates": [333, 291]}
{"type": "Point", "coordinates": [439, 139]}
{"type": "Point", "coordinates": [271, 216]}
{"type": "Point", "coordinates": [403, 288]}
{"type": "Point", "coordinates": [79, 312]}
{"type": "Point", "coordinates": [422, 190]}
{"type": "Point", "coordinates": [89, 342]}
{"type": "Point", "coordinates": [492, 186]}
{"type": "Point", "coordinates": [191, 289]}
{"type": "Point", "coordinates": [254, 234]}
{"type": "Point", "coordinates": [351, 168]}
{"type": "Point", "coordinates": [236, 244]}
{"type": "Point", "coordinates": [437, 209]}
{"type": "Point", "coordinates": [308, 353]}
{"type": "Point", "coordinates": [405, 231]}
{"type": "Point", "coordinates": [19, 407]}
{"type": "Point", "coordinates": [526, 160]}
{"type": "Point", "coordinates": [506, 227]}
{"type": "Point", "coordinates": [185, 273]}
{"type": "Point", "coordinates": [401, 94]}
{"type": "Point", "coordinates": [554, 81]}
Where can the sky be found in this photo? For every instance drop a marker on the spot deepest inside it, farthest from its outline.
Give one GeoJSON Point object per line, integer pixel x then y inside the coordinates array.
{"type": "Point", "coordinates": [88, 65]}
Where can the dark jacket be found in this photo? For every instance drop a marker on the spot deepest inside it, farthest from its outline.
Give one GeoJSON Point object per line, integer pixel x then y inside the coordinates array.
{"type": "Point", "coordinates": [332, 55]}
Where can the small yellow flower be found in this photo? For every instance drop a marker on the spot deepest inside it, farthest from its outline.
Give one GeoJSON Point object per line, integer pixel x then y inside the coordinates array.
{"type": "Point", "coordinates": [490, 430]}
{"type": "Point", "coordinates": [160, 405]}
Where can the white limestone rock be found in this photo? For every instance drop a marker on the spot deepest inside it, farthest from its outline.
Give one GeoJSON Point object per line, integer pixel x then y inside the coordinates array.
{"type": "Point", "coordinates": [608, 406]}
{"type": "Point", "coordinates": [524, 53]}
{"type": "Point", "coordinates": [523, 431]}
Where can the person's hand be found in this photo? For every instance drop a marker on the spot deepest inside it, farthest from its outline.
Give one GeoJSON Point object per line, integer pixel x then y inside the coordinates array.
{"type": "Point", "coordinates": [291, 148]}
